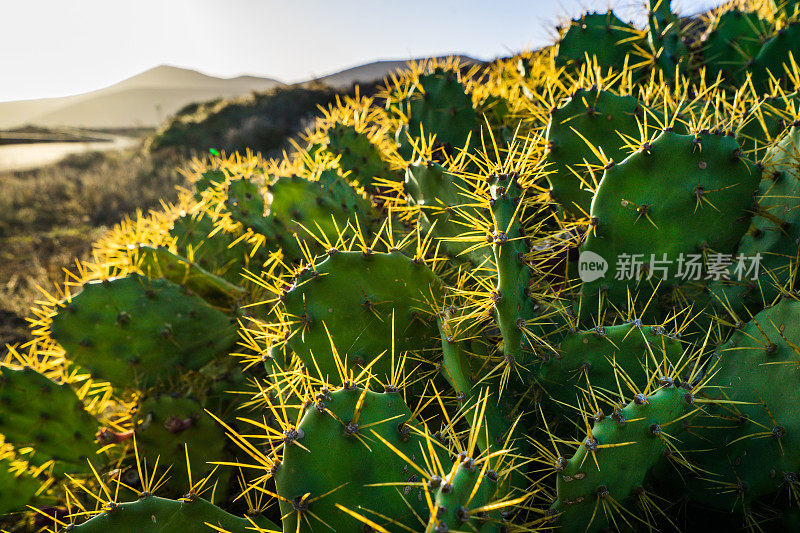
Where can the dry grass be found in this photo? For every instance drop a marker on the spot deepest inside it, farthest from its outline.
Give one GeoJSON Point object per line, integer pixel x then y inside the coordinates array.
{"type": "Point", "coordinates": [50, 216]}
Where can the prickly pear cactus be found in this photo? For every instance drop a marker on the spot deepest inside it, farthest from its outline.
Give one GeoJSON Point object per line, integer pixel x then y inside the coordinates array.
{"type": "Point", "coordinates": [731, 43]}
{"type": "Point", "coordinates": [598, 35]}
{"type": "Point", "coordinates": [592, 122]}
{"type": "Point", "coordinates": [501, 296]}
{"type": "Point", "coordinates": [664, 36]}
{"type": "Point", "coordinates": [345, 455]}
{"type": "Point", "coordinates": [168, 429]}
{"type": "Point", "coordinates": [464, 496]}
{"type": "Point", "coordinates": [443, 199]}
{"type": "Point", "coordinates": [766, 122]}
{"type": "Point", "coordinates": [152, 514]}
{"type": "Point", "coordinates": [707, 211]}
{"type": "Point", "coordinates": [358, 303]}
{"type": "Point", "coordinates": [48, 416]}
{"type": "Point", "coordinates": [18, 489]}
{"type": "Point", "coordinates": [439, 105]}
{"type": "Point", "coordinates": [161, 263]}
{"type": "Point", "coordinates": [773, 61]}
{"type": "Point", "coordinates": [135, 331]}
{"type": "Point", "coordinates": [594, 358]}
{"type": "Point", "coordinates": [195, 239]}
{"type": "Point", "coordinates": [613, 460]}
{"type": "Point", "coordinates": [772, 240]}
{"type": "Point", "coordinates": [359, 157]}
{"type": "Point", "coordinates": [754, 450]}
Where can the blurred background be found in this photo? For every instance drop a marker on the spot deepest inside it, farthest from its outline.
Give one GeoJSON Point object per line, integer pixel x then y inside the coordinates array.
{"type": "Point", "coordinates": [102, 101]}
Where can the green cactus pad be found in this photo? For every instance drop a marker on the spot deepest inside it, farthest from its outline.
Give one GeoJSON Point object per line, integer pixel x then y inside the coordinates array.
{"type": "Point", "coordinates": [665, 38]}
{"type": "Point", "coordinates": [48, 416]}
{"type": "Point", "coordinates": [139, 332]}
{"type": "Point", "coordinates": [515, 311]}
{"type": "Point", "coordinates": [615, 458]}
{"type": "Point", "coordinates": [159, 262]}
{"type": "Point", "coordinates": [438, 193]}
{"type": "Point", "coordinates": [209, 179]}
{"type": "Point", "coordinates": [360, 159]}
{"type": "Point", "coordinates": [354, 296]}
{"type": "Point", "coordinates": [594, 357]}
{"type": "Point", "coordinates": [596, 116]}
{"type": "Point", "coordinates": [774, 235]}
{"type": "Point", "coordinates": [215, 252]}
{"type": "Point", "coordinates": [164, 425]}
{"type": "Point", "coordinates": [731, 43]}
{"type": "Point", "coordinates": [17, 490]}
{"type": "Point", "coordinates": [334, 457]}
{"type": "Point", "coordinates": [458, 371]}
{"type": "Point", "coordinates": [774, 56]}
{"type": "Point", "coordinates": [750, 446]}
{"type": "Point", "coordinates": [439, 104]}
{"type": "Point", "coordinates": [151, 514]}
{"type": "Point", "coordinates": [787, 9]}
{"type": "Point", "coordinates": [247, 205]}
{"type": "Point", "coordinates": [322, 205]}
{"type": "Point", "coordinates": [679, 196]}
{"type": "Point", "coordinates": [464, 490]}
{"type": "Point", "coordinates": [602, 35]}
{"type": "Point", "coordinates": [762, 126]}
{"type": "Point", "coordinates": [498, 113]}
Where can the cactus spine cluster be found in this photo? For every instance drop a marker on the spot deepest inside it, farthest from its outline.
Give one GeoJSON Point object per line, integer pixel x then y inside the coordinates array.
{"type": "Point", "coordinates": [557, 292]}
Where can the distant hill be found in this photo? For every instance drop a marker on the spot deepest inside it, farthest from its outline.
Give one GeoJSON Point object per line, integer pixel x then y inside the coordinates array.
{"type": "Point", "coordinates": [369, 73]}
{"type": "Point", "coordinates": [150, 98]}
{"type": "Point", "coordinates": [144, 100]}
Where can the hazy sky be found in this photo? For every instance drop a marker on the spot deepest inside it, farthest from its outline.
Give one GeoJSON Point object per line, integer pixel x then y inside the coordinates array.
{"type": "Point", "coordinates": [57, 47]}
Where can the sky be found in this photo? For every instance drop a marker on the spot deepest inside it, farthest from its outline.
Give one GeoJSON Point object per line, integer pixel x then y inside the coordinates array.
{"type": "Point", "coordinates": [54, 48]}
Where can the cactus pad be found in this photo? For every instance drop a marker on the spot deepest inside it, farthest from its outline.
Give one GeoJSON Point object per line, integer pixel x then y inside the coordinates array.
{"type": "Point", "coordinates": [159, 262]}
{"type": "Point", "coordinates": [151, 514]}
{"type": "Point", "coordinates": [355, 296]}
{"type": "Point", "coordinates": [751, 437]}
{"type": "Point", "coordinates": [334, 458]}
{"type": "Point", "coordinates": [164, 425]}
{"type": "Point", "coordinates": [706, 210]}
{"type": "Point", "coordinates": [134, 331]}
{"type": "Point", "coordinates": [594, 357]}
{"type": "Point", "coordinates": [774, 57]}
{"type": "Point", "coordinates": [439, 104]}
{"type": "Point", "coordinates": [438, 193]}
{"type": "Point", "coordinates": [602, 35]}
{"type": "Point", "coordinates": [322, 205]}
{"type": "Point", "coordinates": [48, 416]}
{"type": "Point", "coordinates": [774, 235]}
{"type": "Point", "coordinates": [595, 116]}
{"type": "Point", "coordinates": [616, 456]}
{"type": "Point", "coordinates": [360, 159]}
{"type": "Point", "coordinates": [731, 43]}
{"type": "Point", "coordinates": [461, 496]}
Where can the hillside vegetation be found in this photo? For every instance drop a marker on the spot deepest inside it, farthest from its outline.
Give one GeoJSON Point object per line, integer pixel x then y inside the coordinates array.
{"type": "Point", "coordinates": [262, 121]}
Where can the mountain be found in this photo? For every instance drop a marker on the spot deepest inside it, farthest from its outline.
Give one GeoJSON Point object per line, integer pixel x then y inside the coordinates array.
{"type": "Point", "coordinates": [149, 98]}
{"type": "Point", "coordinates": [143, 100]}
{"type": "Point", "coordinates": [370, 72]}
